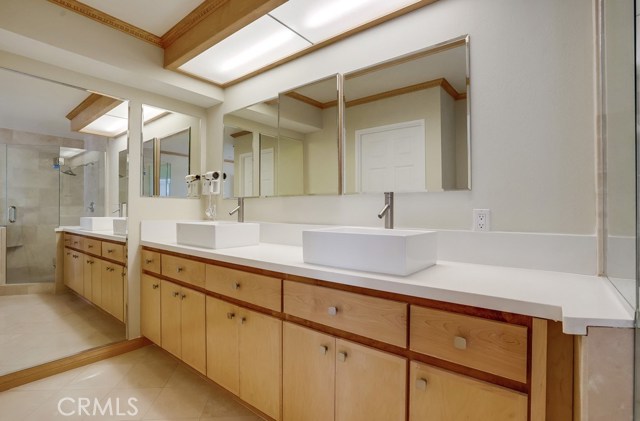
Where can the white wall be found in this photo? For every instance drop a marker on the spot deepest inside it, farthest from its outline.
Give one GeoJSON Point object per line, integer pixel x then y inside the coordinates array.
{"type": "Point", "coordinates": [532, 117]}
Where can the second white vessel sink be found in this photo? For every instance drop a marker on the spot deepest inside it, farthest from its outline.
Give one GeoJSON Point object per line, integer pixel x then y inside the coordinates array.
{"type": "Point", "coordinates": [217, 234]}
{"type": "Point", "coordinates": [96, 223]}
{"type": "Point", "coordinates": [120, 226]}
{"type": "Point", "coordinates": [390, 251]}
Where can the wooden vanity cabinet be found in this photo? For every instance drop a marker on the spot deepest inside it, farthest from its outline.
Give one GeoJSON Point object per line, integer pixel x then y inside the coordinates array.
{"type": "Point", "coordinates": [244, 354]}
{"type": "Point", "coordinates": [150, 308]}
{"type": "Point", "coordinates": [182, 322]}
{"type": "Point", "coordinates": [323, 376]}
{"type": "Point", "coordinates": [437, 394]}
{"type": "Point", "coordinates": [112, 289]}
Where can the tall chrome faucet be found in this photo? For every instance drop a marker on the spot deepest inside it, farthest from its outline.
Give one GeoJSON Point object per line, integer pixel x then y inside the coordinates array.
{"type": "Point", "coordinates": [387, 210]}
{"type": "Point", "coordinates": [239, 209]}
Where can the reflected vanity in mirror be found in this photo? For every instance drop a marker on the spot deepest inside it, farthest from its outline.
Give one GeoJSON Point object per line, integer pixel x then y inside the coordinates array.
{"type": "Point", "coordinates": [58, 164]}
{"type": "Point", "coordinates": [406, 122]}
{"type": "Point", "coordinates": [170, 152]}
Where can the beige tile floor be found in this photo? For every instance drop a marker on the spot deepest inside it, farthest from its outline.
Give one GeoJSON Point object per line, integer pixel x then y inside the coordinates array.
{"type": "Point", "coordinates": [38, 328]}
{"type": "Point", "coordinates": [164, 389]}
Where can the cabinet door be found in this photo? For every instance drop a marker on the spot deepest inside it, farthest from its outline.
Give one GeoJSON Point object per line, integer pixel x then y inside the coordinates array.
{"type": "Point", "coordinates": [68, 266]}
{"type": "Point", "coordinates": [77, 279]}
{"type": "Point", "coordinates": [193, 329]}
{"type": "Point", "coordinates": [106, 284]}
{"type": "Point", "coordinates": [170, 318]}
{"type": "Point", "coordinates": [150, 308]}
{"type": "Point", "coordinates": [441, 395]}
{"type": "Point", "coordinates": [96, 282]}
{"type": "Point", "coordinates": [308, 374]}
{"type": "Point", "coordinates": [117, 292]}
{"type": "Point", "coordinates": [222, 344]}
{"type": "Point", "coordinates": [87, 264]}
{"type": "Point", "coordinates": [370, 384]}
{"type": "Point", "coordinates": [260, 357]}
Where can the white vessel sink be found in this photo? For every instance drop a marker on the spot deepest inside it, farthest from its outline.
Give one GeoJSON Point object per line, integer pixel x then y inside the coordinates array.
{"type": "Point", "coordinates": [394, 252]}
{"type": "Point", "coordinates": [96, 223]}
{"type": "Point", "coordinates": [217, 234]}
{"type": "Point", "coordinates": [120, 226]}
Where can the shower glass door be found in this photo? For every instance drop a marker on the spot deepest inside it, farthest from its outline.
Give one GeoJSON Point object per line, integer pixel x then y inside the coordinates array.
{"type": "Point", "coordinates": [31, 211]}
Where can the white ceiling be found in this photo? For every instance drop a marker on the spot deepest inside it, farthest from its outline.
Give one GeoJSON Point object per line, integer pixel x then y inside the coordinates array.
{"type": "Point", "coordinates": [153, 16]}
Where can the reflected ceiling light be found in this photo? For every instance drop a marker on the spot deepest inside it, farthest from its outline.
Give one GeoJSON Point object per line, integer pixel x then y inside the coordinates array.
{"type": "Point", "coordinates": [330, 11]}
{"type": "Point", "coordinates": [257, 45]}
{"type": "Point", "coordinates": [112, 123]}
{"type": "Point", "coordinates": [149, 112]}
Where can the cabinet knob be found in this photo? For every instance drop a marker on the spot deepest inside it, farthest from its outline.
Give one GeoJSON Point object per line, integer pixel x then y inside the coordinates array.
{"type": "Point", "coordinates": [342, 356]}
{"type": "Point", "coordinates": [231, 315]}
{"type": "Point", "coordinates": [236, 285]}
{"type": "Point", "coordinates": [176, 293]}
{"type": "Point", "coordinates": [90, 246]}
{"type": "Point", "coordinates": [183, 296]}
{"type": "Point", "coordinates": [459, 342]}
{"type": "Point", "coordinates": [147, 261]}
{"type": "Point", "coordinates": [156, 286]}
{"type": "Point", "coordinates": [243, 320]}
{"type": "Point", "coordinates": [332, 311]}
{"type": "Point", "coordinates": [324, 349]}
{"type": "Point", "coordinates": [179, 269]}
{"type": "Point", "coordinates": [421, 384]}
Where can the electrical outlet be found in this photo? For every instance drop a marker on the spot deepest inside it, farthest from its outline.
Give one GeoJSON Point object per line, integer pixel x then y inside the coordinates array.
{"type": "Point", "coordinates": [481, 220]}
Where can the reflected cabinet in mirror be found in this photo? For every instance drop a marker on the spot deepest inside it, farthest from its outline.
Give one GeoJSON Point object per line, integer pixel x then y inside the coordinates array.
{"type": "Point", "coordinates": [170, 152]}
{"type": "Point", "coordinates": [407, 122]}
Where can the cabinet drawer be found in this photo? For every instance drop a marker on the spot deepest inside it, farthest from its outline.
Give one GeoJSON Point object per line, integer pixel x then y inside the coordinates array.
{"type": "Point", "coordinates": [92, 246]}
{"type": "Point", "coordinates": [75, 241]}
{"type": "Point", "coordinates": [151, 261]}
{"type": "Point", "coordinates": [375, 318]}
{"type": "Point", "coordinates": [256, 289]}
{"type": "Point", "coordinates": [184, 270]}
{"type": "Point", "coordinates": [68, 240]}
{"type": "Point", "coordinates": [113, 251]}
{"type": "Point", "coordinates": [495, 347]}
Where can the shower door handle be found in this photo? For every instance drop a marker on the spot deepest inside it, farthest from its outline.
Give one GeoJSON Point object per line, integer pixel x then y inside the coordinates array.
{"type": "Point", "coordinates": [13, 213]}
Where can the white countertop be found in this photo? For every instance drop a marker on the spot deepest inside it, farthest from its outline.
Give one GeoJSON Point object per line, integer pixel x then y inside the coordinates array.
{"type": "Point", "coordinates": [578, 301]}
{"type": "Point", "coordinates": [105, 235]}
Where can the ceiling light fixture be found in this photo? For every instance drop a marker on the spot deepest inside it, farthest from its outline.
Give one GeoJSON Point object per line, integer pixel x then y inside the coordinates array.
{"type": "Point", "coordinates": [261, 48]}
{"type": "Point", "coordinates": [332, 11]}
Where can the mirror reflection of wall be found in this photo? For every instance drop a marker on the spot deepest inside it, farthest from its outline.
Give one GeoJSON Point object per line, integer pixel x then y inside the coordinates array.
{"type": "Point", "coordinates": [170, 151]}
{"type": "Point", "coordinates": [308, 139]}
{"type": "Point", "coordinates": [406, 123]}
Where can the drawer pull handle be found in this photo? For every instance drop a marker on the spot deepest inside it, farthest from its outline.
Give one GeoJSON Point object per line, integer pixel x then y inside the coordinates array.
{"type": "Point", "coordinates": [459, 343]}
{"type": "Point", "coordinates": [342, 356]}
{"type": "Point", "coordinates": [90, 246]}
{"type": "Point", "coordinates": [230, 315]}
{"type": "Point", "coordinates": [156, 286]}
{"type": "Point", "coordinates": [183, 296]}
{"type": "Point", "coordinates": [236, 285]}
{"type": "Point", "coordinates": [148, 261]}
{"type": "Point", "coordinates": [109, 251]}
{"type": "Point", "coordinates": [421, 384]}
{"type": "Point", "coordinates": [179, 269]}
{"type": "Point", "coordinates": [324, 349]}
{"type": "Point", "coordinates": [176, 293]}
{"type": "Point", "coordinates": [332, 311]}
{"type": "Point", "coordinates": [243, 320]}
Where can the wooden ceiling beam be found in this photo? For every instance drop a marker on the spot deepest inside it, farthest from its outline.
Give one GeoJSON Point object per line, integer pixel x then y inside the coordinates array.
{"type": "Point", "coordinates": [92, 108]}
{"type": "Point", "coordinates": [223, 19]}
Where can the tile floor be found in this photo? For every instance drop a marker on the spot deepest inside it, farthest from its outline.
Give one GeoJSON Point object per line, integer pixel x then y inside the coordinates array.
{"type": "Point", "coordinates": [38, 328]}
{"type": "Point", "coordinates": [164, 389]}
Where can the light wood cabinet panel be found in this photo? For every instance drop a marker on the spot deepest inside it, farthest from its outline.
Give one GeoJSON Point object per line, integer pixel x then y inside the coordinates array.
{"type": "Point", "coordinates": [150, 308]}
{"type": "Point", "coordinates": [185, 270]}
{"type": "Point", "coordinates": [68, 241]}
{"type": "Point", "coordinates": [105, 283]}
{"type": "Point", "coordinates": [113, 251]}
{"type": "Point", "coordinates": [67, 272]}
{"type": "Point", "coordinates": [151, 261]}
{"type": "Point", "coordinates": [170, 320]}
{"type": "Point", "coordinates": [76, 272]}
{"type": "Point", "coordinates": [96, 283]}
{"type": "Point", "coordinates": [193, 331]}
{"type": "Point", "coordinates": [90, 267]}
{"type": "Point", "coordinates": [495, 347]}
{"type": "Point", "coordinates": [117, 292]}
{"type": "Point", "coordinates": [264, 291]}
{"type": "Point", "coordinates": [222, 344]}
{"type": "Point", "coordinates": [440, 395]}
{"type": "Point", "coordinates": [260, 357]}
{"type": "Point", "coordinates": [91, 245]}
{"type": "Point", "coordinates": [376, 318]}
{"type": "Point", "coordinates": [370, 384]}
{"type": "Point", "coordinates": [76, 242]}
{"type": "Point", "coordinates": [308, 374]}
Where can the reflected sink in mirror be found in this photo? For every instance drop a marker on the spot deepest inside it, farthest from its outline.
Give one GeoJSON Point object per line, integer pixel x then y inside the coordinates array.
{"type": "Point", "coordinates": [217, 234]}
{"type": "Point", "coordinates": [96, 223]}
{"type": "Point", "coordinates": [119, 226]}
{"type": "Point", "coordinates": [393, 252]}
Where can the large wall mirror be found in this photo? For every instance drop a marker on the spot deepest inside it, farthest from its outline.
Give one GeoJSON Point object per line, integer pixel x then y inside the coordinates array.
{"type": "Point", "coordinates": [55, 167]}
{"type": "Point", "coordinates": [407, 122]}
{"type": "Point", "coordinates": [170, 152]}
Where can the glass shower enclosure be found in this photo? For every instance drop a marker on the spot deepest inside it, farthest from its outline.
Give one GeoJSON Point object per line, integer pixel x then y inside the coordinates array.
{"type": "Point", "coordinates": [37, 195]}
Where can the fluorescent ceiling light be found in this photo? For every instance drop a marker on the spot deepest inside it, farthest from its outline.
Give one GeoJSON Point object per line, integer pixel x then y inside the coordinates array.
{"type": "Point", "coordinates": [70, 152]}
{"type": "Point", "coordinates": [318, 21]}
{"type": "Point", "coordinates": [257, 45]}
{"type": "Point", "coordinates": [110, 124]}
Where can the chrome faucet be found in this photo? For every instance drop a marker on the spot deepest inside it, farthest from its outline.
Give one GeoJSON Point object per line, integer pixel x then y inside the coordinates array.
{"type": "Point", "coordinates": [239, 209]}
{"type": "Point", "coordinates": [387, 210]}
